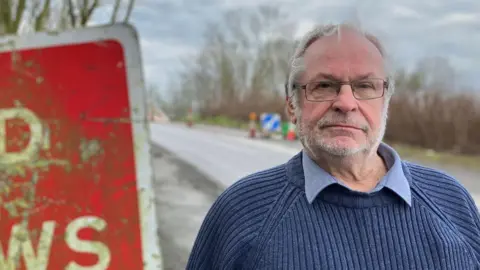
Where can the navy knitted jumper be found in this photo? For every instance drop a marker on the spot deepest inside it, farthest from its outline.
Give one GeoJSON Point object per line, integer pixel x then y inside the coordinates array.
{"type": "Point", "coordinates": [265, 222]}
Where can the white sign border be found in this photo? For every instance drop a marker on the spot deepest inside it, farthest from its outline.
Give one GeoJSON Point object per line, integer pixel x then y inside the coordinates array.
{"type": "Point", "coordinates": [127, 36]}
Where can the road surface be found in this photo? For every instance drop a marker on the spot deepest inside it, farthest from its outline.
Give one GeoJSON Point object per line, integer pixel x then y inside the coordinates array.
{"type": "Point", "coordinates": [226, 155]}
{"type": "Point", "coordinates": [223, 157]}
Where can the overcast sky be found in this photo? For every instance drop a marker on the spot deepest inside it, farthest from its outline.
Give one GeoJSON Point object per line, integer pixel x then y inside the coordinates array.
{"type": "Point", "coordinates": [411, 29]}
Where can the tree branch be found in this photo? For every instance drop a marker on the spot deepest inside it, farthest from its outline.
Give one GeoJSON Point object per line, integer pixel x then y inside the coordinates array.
{"type": "Point", "coordinates": [116, 7]}
{"type": "Point", "coordinates": [42, 17]}
{"type": "Point", "coordinates": [71, 13]}
{"type": "Point", "coordinates": [6, 16]}
{"type": "Point", "coordinates": [18, 16]}
{"type": "Point", "coordinates": [129, 10]}
{"type": "Point", "coordinates": [88, 11]}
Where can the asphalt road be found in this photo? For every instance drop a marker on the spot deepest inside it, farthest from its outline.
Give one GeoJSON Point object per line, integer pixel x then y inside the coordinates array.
{"type": "Point", "coordinates": [223, 157]}
{"type": "Point", "coordinates": [226, 155]}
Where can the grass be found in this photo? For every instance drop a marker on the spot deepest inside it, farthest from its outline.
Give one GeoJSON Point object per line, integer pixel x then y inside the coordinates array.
{"type": "Point", "coordinates": [405, 151]}
{"type": "Point", "coordinates": [443, 158]}
{"type": "Point", "coordinates": [223, 122]}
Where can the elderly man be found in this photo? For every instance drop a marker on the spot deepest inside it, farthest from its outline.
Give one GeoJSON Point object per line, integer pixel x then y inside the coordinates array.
{"type": "Point", "coordinates": [347, 201]}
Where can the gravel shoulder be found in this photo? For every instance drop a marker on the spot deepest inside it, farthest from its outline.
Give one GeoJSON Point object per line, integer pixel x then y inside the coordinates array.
{"type": "Point", "coordinates": [184, 195]}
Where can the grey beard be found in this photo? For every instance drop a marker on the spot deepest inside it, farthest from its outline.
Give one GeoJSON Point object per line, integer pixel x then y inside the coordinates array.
{"type": "Point", "coordinates": [308, 138]}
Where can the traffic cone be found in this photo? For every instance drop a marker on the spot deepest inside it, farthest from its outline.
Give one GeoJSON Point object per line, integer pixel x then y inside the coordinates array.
{"type": "Point", "coordinates": [291, 135]}
{"type": "Point", "coordinates": [252, 125]}
{"type": "Point", "coordinates": [253, 129]}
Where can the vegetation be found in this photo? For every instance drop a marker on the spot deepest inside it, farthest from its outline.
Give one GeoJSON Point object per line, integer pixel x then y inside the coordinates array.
{"type": "Point", "coordinates": [22, 16]}
{"type": "Point", "coordinates": [469, 162]}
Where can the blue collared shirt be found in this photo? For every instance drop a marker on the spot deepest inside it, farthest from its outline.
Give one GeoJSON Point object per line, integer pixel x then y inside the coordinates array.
{"type": "Point", "coordinates": [317, 179]}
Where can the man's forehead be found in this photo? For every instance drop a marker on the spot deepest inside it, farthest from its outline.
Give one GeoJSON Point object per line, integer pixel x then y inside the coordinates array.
{"type": "Point", "coordinates": [343, 41]}
{"type": "Point", "coordinates": [346, 51]}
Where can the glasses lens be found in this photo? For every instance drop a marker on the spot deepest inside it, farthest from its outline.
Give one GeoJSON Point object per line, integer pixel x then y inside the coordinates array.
{"type": "Point", "coordinates": [368, 88]}
{"type": "Point", "coordinates": [322, 90]}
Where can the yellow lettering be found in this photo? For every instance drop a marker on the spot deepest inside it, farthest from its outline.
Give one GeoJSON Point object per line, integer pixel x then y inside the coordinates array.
{"type": "Point", "coordinates": [37, 140]}
{"type": "Point", "coordinates": [76, 244]}
{"type": "Point", "coordinates": [20, 244]}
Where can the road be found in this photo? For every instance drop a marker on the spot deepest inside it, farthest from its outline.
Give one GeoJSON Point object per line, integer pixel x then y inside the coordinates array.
{"type": "Point", "coordinates": [226, 155]}
{"type": "Point", "coordinates": [222, 156]}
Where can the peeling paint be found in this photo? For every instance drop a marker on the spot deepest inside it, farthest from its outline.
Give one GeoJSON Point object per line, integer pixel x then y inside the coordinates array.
{"type": "Point", "coordinates": [39, 79]}
{"type": "Point", "coordinates": [89, 149]}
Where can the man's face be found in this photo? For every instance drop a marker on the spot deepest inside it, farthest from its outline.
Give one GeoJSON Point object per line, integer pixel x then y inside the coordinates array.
{"type": "Point", "coordinates": [345, 125]}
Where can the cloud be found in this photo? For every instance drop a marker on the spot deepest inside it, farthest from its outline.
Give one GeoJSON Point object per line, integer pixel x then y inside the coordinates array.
{"type": "Point", "coordinates": [303, 27]}
{"type": "Point", "coordinates": [159, 51]}
{"type": "Point", "coordinates": [405, 12]}
{"type": "Point", "coordinates": [172, 29]}
{"type": "Point", "coordinates": [458, 18]}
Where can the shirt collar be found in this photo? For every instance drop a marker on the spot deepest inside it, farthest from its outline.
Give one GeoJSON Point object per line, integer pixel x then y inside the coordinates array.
{"type": "Point", "coordinates": [317, 179]}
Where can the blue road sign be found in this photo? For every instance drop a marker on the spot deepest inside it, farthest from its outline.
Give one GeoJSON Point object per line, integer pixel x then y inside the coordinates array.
{"type": "Point", "coordinates": [270, 122]}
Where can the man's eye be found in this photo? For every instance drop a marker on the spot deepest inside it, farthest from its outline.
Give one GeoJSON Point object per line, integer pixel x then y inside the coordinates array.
{"type": "Point", "coordinates": [364, 85]}
{"type": "Point", "coordinates": [323, 85]}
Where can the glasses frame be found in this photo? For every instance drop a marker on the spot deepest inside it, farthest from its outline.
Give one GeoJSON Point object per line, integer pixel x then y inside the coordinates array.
{"type": "Point", "coordinates": [340, 84]}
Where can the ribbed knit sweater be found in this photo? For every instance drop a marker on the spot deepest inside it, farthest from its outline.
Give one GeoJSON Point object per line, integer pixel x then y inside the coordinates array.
{"type": "Point", "coordinates": [264, 221]}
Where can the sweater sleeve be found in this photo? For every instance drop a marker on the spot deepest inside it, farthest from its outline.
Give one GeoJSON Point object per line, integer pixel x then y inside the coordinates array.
{"type": "Point", "coordinates": [454, 201]}
{"type": "Point", "coordinates": [470, 224]}
{"type": "Point", "coordinates": [217, 246]}
{"type": "Point", "coordinates": [233, 223]}
{"type": "Point", "coordinates": [474, 212]}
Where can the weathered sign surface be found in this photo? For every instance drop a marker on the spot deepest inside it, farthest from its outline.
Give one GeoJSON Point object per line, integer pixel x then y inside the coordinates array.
{"type": "Point", "coordinates": [75, 168]}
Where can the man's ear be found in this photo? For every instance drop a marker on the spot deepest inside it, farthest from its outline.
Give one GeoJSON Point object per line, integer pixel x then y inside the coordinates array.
{"type": "Point", "coordinates": [291, 110]}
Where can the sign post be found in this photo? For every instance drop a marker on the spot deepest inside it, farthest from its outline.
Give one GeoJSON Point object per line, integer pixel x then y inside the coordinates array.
{"type": "Point", "coordinates": [75, 167]}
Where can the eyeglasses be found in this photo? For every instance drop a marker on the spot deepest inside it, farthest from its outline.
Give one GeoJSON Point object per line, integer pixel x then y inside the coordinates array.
{"type": "Point", "coordinates": [327, 90]}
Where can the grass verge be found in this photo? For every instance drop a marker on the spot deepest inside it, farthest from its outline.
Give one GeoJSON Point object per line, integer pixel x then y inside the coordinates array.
{"type": "Point", "coordinates": [443, 158]}
{"type": "Point", "coordinates": [223, 122]}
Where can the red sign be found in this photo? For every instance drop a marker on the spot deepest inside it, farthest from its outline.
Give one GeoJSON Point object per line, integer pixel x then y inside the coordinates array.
{"type": "Point", "coordinates": [75, 171]}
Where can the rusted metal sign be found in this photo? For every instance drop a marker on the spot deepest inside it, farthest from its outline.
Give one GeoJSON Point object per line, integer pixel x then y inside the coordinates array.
{"type": "Point", "coordinates": [75, 168]}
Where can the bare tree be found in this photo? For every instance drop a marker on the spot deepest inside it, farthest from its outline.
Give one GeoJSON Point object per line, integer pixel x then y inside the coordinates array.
{"type": "Point", "coordinates": [11, 13]}
{"type": "Point", "coordinates": [438, 74]}
{"type": "Point", "coordinates": [243, 60]}
{"type": "Point", "coordinates": [19, 16]}
{"type": "Point", "coordinates": [80, 12]}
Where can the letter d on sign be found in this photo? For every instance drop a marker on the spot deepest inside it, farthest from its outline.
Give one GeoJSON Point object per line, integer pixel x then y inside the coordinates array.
{"type": "Point", "coordinates": [36, 135]}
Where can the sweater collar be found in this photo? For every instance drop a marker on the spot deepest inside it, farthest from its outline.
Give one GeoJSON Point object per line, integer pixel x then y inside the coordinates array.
{"type": "Point", "coordinates": [316, 179]}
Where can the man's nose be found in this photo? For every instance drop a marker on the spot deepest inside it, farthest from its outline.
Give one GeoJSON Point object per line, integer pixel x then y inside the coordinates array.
{"type": "Point", "coordinates": [345, 100]}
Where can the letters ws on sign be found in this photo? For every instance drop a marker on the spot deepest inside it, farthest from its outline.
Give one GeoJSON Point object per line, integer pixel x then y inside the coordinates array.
{"type": "Point", "coordinates": [71, 155]}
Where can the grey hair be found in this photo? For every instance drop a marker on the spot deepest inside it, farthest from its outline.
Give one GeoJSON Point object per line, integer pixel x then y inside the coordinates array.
{"type": "Point", "coordinates": [297, 66]}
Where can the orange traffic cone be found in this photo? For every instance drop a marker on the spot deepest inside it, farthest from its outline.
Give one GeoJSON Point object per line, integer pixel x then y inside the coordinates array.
{"type": "Point", "coordinates": [252, 125]}
{"type": "Point", "coordinates": [253, 129]}
{"type": "Point", "coordinates": [291, 135]}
